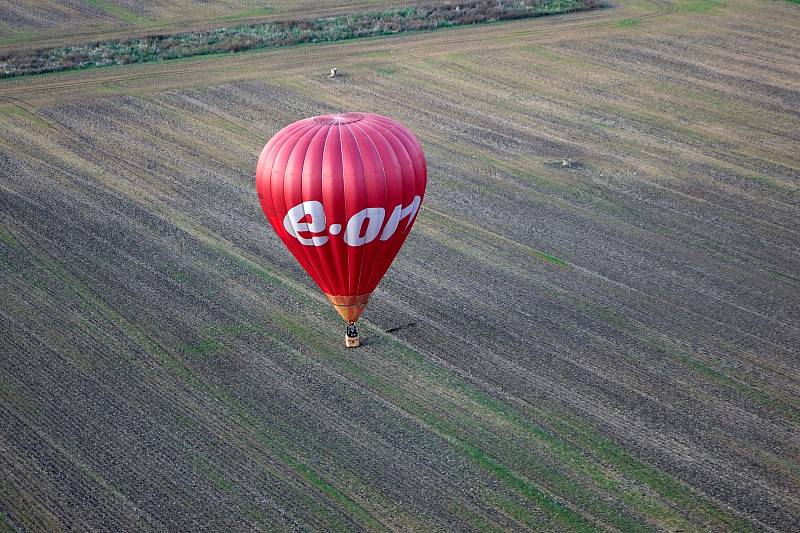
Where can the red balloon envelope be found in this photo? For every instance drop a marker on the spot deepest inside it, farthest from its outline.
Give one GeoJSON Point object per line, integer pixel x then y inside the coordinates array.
{"type": "Point", "coordinates": [342, 191]}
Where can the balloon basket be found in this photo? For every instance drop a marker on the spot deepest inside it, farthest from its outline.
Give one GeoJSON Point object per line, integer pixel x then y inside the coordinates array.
{"type": "Point", "coordinates": [352, 342]}
{"type": "Point", "coordinates": [351, 338]}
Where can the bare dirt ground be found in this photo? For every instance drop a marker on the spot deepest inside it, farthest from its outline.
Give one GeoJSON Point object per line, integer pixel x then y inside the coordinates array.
{"type": "Point", "coordinates": [609, 343]}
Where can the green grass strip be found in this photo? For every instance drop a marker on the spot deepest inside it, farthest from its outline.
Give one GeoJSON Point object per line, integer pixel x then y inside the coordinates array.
{"type": "Point", "coordinates": [662, 483]}
{"type": "Point", "coordinates": [118, 12]}
{"type": "Point", "coordinates": [627, 23]}
{"type": "Point", "coordinates": [6, 237]}
{"type": "Point", "coordinates": [523, 486]}
{"type": "Point", "coordinates": [698, 6]}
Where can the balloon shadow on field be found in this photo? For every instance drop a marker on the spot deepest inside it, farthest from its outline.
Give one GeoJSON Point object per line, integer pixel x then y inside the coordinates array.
{"type": "Point", "coordinates": [398, 328]}
{"type": "Point", "coordinates": [379, 340]}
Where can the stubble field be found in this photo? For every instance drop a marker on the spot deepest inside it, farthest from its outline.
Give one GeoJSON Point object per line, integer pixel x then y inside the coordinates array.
{"type": "Point", "coordinates": [593, 325]}
{"type": "Point", "coordinates": [42, 23]}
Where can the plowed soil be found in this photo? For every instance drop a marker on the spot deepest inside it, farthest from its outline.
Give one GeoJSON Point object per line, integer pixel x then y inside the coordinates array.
{"type": "Point", "coordinates": [593, 325]}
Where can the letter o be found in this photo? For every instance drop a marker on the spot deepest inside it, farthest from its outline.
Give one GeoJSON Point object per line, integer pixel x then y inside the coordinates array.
{"type": "Point", "coordinates": [352, 234]}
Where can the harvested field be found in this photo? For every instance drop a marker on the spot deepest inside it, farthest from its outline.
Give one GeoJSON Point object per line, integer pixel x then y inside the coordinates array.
{"type": "Point", "coordinates": [594, 324]}
{"type": "Point", "coordinates": [39, 23]}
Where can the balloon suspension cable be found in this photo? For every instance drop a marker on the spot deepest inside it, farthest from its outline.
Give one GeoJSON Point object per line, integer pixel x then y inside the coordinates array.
{"type": "Point", "coordinates": [351, 329]}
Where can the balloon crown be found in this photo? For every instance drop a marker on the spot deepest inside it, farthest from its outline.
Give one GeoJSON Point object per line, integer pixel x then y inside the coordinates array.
{"type": "Point", "coordinates": [339, 118]}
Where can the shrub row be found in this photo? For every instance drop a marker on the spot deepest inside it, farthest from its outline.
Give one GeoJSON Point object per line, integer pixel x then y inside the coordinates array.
{"type": "Point", "coordinates": [284, 33]}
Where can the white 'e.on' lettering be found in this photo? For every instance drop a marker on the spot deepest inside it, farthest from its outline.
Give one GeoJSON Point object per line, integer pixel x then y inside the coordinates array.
{"type": "Point", "coordinates": [352, 234]}
{"type": "Point", "coordinates": [293, 226]}
{"type": "Point", "coordinates": [399, 214]}
{"type": "Point", "coordinates": [316, 223]}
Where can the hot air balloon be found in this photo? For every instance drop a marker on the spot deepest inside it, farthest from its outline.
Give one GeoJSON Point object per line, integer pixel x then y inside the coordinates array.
{"type": "Point", "coordinates": [342, 192]}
